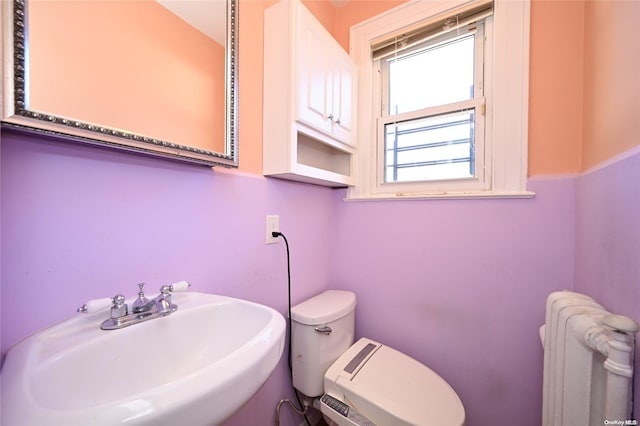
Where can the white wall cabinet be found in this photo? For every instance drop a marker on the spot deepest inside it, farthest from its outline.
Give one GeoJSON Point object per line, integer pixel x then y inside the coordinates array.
{"type": "Point", "coordinates": [325, 80]}
{"type": "Point", "coordinates": [309, 99]}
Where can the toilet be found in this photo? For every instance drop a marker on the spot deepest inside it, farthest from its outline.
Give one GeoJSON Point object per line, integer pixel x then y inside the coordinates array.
{"type": "Point", "coordinates": [366, 382]}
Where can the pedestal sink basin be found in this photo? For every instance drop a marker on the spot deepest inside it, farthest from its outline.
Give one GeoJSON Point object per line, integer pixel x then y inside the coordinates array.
{"type": "Point", "coordinates": [196, 366]}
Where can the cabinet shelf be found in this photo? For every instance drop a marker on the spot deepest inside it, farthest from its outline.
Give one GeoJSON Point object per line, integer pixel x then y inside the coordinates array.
{"type": "Point", "coordinates": [314, 154]}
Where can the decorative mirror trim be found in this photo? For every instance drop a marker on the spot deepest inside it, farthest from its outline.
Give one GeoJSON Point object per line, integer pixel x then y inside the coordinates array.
{"type": "Point", "coordinates": [16, 115]}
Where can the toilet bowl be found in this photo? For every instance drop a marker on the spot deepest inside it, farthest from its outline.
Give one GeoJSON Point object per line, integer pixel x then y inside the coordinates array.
{"type": "Point", "coordinates": [366, 382]}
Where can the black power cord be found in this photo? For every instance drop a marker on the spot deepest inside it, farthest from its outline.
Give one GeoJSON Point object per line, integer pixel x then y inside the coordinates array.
{"type": "Point", "coordinates": [633, 381]}
{"type": "Point", "coordinates": [289, 354]}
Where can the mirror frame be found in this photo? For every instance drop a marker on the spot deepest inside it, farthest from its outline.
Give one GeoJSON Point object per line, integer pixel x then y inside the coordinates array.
{"type": "Point", "coordinates": [16, 115]}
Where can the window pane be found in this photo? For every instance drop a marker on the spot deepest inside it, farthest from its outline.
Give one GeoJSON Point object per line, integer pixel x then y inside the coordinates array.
{"type": "Point", "coordinates": [437, 75]}
{"type": "Point", "coordinates": [432, 148]}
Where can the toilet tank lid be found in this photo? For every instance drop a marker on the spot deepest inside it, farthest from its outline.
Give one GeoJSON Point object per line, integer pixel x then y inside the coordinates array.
{"type": "Point", "coordinates": [324, 307]}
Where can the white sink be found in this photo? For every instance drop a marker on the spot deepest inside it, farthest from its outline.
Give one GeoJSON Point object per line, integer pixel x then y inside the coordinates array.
{"type": "Point", "coordinates": [196, 366]}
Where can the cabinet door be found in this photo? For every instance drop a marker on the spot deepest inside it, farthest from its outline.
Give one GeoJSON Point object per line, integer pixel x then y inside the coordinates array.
{"type": "Point", "coordinates": [314, 74]}
{"type": "Point", "coordinates": [344, 86]}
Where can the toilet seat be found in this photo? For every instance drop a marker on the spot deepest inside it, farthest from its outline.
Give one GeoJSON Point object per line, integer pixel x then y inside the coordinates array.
{"type": "Point", "coordinates": [388, 387]}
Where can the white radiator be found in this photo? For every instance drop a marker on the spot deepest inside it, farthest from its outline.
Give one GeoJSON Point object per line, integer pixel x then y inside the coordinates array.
{"type": "Point", "coordinates": [588, 363]}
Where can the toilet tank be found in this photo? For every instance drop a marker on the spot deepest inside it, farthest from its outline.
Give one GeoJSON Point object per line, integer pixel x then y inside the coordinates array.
{"type": "Point", "coordinates": [322, 329]}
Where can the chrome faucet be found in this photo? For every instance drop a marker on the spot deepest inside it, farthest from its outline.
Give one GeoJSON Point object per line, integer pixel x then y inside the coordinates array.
{"type": "Point", "coordinates": [161, 303]}
{"type": "Point", "coordinates": [142, 309]}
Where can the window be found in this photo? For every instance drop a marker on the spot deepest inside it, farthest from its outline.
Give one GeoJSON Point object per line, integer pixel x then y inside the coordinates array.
{"type": "Point", "coordinates": [431, 121]}
{"type": "Point", "coordinates": [448, 87]}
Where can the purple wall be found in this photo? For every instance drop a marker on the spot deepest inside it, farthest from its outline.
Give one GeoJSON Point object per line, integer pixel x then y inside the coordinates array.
{"type": "Point", "coordinates": [80, 222]}
{"type": "Point", "coordinates": [459, 285]}
{"type": "Point", "coordinates": [607, 263]}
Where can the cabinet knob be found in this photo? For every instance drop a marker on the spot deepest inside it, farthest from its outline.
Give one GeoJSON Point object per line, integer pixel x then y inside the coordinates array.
{"type": "Point", "coordinates": [330, 117]}
{"type": "Point", "coordinates": [338, 121]}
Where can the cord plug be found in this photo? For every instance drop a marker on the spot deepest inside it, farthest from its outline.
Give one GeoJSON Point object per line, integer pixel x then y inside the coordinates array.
{"type": "Point", "coordinates": [275, 234]}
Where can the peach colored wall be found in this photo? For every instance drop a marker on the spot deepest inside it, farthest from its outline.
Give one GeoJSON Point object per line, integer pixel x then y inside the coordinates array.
{"type": "Point", "coordinates": [555, 86]}
{"type": "Point", "coordinates": [324, 11]}
{"type": "Point", "coordinates": [98, 40]}
{"type": "Point", "coordinates": [611, 80]}
{"type": "Point", "coordinates": [571, 96]}
{"type": "Point", "coordinates": [555, 128]}
{"type": "Point", "coordinates": [356, 11]}
{"type": "Point", "coordinates": [573, 121]}
{"type": "Point", "coordinates": [250, 65]}
{"type": "Point", "coordinates": [555, 102]}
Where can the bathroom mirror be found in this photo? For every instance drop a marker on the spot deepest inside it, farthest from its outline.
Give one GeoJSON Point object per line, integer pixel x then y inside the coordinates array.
{"type": "Point", "coordinates": [141, 76]}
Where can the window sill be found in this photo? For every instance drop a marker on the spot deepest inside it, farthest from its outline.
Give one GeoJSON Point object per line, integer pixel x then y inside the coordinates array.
{"type": "Point", "coordinates": [442, 195]}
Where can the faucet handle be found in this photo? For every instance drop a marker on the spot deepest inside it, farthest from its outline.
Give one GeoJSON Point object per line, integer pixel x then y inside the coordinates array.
{"type": "Point", "coordinates": [119, 308]}
{"type": "Point", "coordinates": [95, 305]}
{"type": "Point", "coordinates": [165, 293]}
{"type": "Point", "coordinates": [180, 286]}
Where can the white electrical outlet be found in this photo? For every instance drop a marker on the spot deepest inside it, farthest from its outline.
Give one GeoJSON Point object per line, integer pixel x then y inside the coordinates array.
{"type": "Point", "coordinates": [273, 225]}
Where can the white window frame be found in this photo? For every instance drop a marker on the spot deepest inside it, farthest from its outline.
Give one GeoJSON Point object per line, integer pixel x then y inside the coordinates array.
{"type": "Point", "coordinates": [506, 80]}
